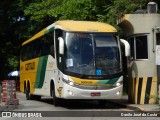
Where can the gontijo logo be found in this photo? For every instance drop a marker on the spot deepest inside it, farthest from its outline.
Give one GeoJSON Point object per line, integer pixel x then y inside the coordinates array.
{"type": "Point", "coordinates": [30, 66]}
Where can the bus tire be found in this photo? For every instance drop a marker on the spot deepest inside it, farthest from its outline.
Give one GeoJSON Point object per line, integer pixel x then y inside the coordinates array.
{"type": "Point", "coordinates": [55, 99]}
{"type": "Point", "coordinates": [27, 91]}
{"type": "Point", "coordinates": [28, 94]}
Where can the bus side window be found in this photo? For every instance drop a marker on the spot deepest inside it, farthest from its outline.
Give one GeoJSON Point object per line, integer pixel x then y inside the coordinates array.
{"type": "Point", "coordinates": [37, 49]}
{"type": "Point", "coordinates": [23, 53]}
{"type": "Point", "coordinates": [43, 43]}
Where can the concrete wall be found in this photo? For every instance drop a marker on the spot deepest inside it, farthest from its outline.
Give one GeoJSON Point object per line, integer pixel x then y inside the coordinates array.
{"type": "Point", "coordinates": [142, 73]}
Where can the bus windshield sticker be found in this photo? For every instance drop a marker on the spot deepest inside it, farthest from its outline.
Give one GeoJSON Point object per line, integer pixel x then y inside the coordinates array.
{"type": "Point", "coordinates": [69, 62]}
{"type": "Point", "coordinates": [99, 72]}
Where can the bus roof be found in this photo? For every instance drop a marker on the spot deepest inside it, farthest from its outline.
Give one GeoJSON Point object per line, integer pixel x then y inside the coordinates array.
{"type": "Point", "coordinates": [85, 26]}
{"type": "Point", "coordinates": [71, 25]}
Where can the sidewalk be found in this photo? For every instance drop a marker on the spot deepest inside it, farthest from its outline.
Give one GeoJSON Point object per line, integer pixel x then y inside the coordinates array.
{"type": "Point", "coordinates": [4, 107]}
{"type": "Point", "coordinates": [139, 107]}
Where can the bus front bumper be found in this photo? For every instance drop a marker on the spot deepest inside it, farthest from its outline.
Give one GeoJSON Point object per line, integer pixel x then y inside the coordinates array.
{"type": "Point", "coordinates": [70, 92]}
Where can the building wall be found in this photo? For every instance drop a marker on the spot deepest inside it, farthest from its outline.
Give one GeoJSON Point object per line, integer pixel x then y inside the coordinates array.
{"type": "Point", "coordinates": [142, 72]}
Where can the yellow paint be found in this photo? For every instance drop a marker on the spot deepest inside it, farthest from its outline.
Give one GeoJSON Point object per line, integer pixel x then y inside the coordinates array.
{"type": "Point", "coordinates": [127, 16]}
{"type": "Point", "coordinates": [136, 89]}
{"type": "Point", "coordinates": [81, 26]}
{"type": "Point", "coordinates": [71, 25]}
{"type": "Point", "coordinates": [28, 74]}
{"type": "Point", "coordinates": [39, 34]}
{"type": "Point", "coordinates": [133, 90]}
{"type": "Point", "coordinates": [153, 92]}
{"type": "Point", "coordinates": [84, 81]}
{"type": "Point", "coordinates": [143, 91]}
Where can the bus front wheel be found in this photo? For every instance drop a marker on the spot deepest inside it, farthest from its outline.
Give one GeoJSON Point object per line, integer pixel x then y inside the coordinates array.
{"type": "Point", "coordinates": [55, 99]}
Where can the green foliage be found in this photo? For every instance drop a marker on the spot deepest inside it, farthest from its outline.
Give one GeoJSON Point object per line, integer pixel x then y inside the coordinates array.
{"type": "Point", "coordinates": [11, 30]}
{"type": "Point", "coordinates": [13, 62]}
{"type": "Point", "coordinates": [95, 10]}
{"type": "Point", "coordinates": [60, 9]}
{"type": "Point", "coordinates": [120, 7]}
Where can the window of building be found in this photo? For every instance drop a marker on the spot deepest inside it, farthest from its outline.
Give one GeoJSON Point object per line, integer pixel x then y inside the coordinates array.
{"type": "Point", "coordinates": [139, 47]}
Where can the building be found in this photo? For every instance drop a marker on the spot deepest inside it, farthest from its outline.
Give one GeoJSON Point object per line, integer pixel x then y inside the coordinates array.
{"type": "Point", "coordinates": [142, 30]}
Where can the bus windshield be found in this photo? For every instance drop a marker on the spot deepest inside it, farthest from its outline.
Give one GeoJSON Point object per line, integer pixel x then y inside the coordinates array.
{"type": "Point", "coordinates": [92, 53]}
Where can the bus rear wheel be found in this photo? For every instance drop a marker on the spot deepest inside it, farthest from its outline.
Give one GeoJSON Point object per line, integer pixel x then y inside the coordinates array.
{"type": "Point", "coordinates": [55, 99]}
{"type": "Point", "coordinates": [29, 96]}
{"type": "Point", "coordinates": [27, 91]}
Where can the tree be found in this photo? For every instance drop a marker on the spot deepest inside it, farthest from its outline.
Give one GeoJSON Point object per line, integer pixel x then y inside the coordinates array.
{"type": "Point", "coordinates": [97, 10]}
{"type": "Point", "coordinates": [11, 21]}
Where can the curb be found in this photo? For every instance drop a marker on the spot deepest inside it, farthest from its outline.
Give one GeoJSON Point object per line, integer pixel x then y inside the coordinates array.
{"type": "Point", "coordinates": [131, 107]}
{"type": "Point", "coordinates": [135, 108]}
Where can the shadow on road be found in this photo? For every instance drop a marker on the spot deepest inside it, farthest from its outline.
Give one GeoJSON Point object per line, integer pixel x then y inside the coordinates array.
{"type": "Point", "coordinates": [84, 104]}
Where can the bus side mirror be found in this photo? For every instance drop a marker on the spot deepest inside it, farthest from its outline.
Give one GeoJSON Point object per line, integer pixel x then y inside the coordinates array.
{"type": "Point", "coordinates": [61, 45]}
{"type": "Point", "coordinates": [127, 47]}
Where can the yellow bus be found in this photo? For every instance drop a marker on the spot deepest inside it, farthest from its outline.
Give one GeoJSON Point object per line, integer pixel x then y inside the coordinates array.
{"type": "Point", "coordinates": [72, 60]}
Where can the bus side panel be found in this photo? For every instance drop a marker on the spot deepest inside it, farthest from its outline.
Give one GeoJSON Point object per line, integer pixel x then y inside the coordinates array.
{"type": "Point", "coordinates": [28, 73]}
{"type": "Point", "coordinates": [49, 74]}
{"type": "Point", "coordinates": [41, 72]}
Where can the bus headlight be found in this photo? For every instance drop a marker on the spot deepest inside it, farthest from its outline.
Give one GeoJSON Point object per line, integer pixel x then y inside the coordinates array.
{"type": "Point", "coordinates": [71, 83]}
{"type": "Point", "coordinates": [117, 84]}
{"type": "Point", "coordinates": [68, 82]}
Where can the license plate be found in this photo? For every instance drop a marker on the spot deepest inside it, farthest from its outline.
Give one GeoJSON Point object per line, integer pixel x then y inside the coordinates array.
{"type": "Point", "coordinates": [95, 94]}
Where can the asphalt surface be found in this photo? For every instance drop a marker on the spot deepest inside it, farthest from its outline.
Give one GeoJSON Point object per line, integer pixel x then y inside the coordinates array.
{"type": "Point", "coordinates": [121, 103]}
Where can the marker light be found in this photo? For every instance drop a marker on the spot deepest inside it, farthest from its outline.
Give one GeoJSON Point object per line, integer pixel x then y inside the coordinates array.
{"type": "Point", "coordinates": [118, 84]}
{"type": "Point", "coordinates": [70, 93]}
{"type": "Point", "coordinates": [118, 93]}
{"type": "Point", "coordinates": [68, 82]}
{"type": "Point", "coordinates": [71, 83]}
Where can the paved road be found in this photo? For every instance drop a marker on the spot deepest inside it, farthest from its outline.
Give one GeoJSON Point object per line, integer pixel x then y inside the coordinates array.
{"type": "Point", "coordinates": [81, 110]}
{"type": "Point", "coordinates": [45, 104]}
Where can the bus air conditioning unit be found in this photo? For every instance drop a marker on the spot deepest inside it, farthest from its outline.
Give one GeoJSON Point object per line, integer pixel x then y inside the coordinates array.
{"type": "Point", "coordinates": [152, 7]}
